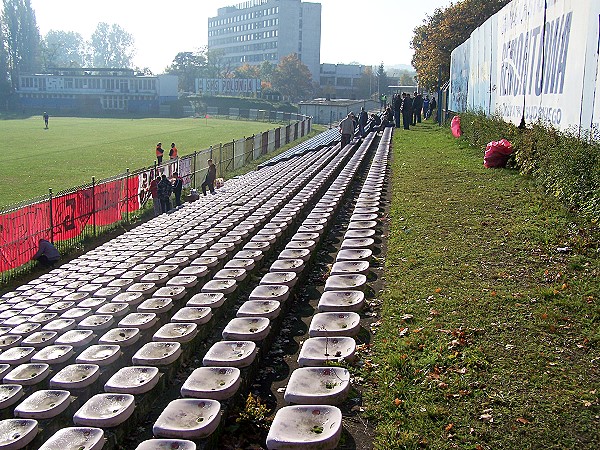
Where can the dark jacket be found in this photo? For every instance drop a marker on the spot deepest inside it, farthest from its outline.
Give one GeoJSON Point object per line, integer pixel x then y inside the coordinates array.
{"type": "Point", "coordinates": [178, 185]}
{"type": "Point", "coordinates": [211, 175]}
{"type": "Point", "coordinates": [164, 188]}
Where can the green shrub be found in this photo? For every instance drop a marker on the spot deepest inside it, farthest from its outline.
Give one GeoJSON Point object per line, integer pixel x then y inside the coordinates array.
{"type": "Point", "coordinates": [566, 163]}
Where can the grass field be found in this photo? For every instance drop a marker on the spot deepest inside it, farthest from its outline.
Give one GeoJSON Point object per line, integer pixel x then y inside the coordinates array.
{"type": "Point", "coordinates": [489, 333]}
{"type": "Point", "coordinates": [73, 150]}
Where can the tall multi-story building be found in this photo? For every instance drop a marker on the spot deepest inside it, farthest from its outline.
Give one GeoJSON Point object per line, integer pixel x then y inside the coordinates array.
{"type": "Point", "coordinates": [268, 30]}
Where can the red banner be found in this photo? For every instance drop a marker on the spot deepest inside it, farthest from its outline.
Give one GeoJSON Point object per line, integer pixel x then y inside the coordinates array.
{"type": "Point", "coordinates": [19, 234]}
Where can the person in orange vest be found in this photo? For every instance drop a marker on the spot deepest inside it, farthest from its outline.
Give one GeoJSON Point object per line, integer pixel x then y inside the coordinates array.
{"type": "Point", "coordinates": [173, 151]}
{"type": "Point", "coordinates": [159, 153]}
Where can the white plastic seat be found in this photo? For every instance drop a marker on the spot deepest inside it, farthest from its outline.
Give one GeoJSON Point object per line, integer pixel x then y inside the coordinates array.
{"type": "Point", "coordinates": [307, 427]}
{"type": "Point", "coordinates": [174, 292]}
{"type": "Point", "coordinates": [318, 351]}
{"type": "Point", "coordinates": [142, 321]}
{"type": "Point", "coordinates": [166, 444]}
{"type": "Point", "coordinates": [207, 299]}
{"type": "Point", "coordinates": [277, 292]}
{"type": "Point", "coordinates": [157, 354]}
{"type": "Point", "coordinates": [76, 338]}
{"type": "Point", "coordinates": [155, 305]}
{"type": "Point", "coordinates": [224, 286]}
{"type": "Point", "coordinates": [318, 386]}
{"type": "Point", "coordinates": [133, 380]}
{"type": "Point", "coordinates": [188, 419]}
{"type": "Point", "coordinates": [16, 434]}
{"type": "Point", "coordinates": [96, 322]}
{"type": "Point", "coordinates": [238, 275]}
{"type": "Point", "coordinates": [341, 301]}
{"type": "Point", "coordinates": [105, 410]}
{"type": "Point", "coordinates": [123, 337]}
{"type": "Point", "coordinates": [260, 308]}
{"type": "Point", "coordinates": [28, 374]}
{"type": "Point", "coordinates": [75, 376]}
{"type": "Point", "coordinates": [217, 383]}
{"type": "Point", "coordinates": [43, 404]}
{"type": "Point", "coordinates": [350, 267]}
{"type": "Point", "coordinates": [100, 354]}
{"type": "Point", "coordinates": [176, 332]}
{"type": "Point", "coordinates": [79, 438]}
{"type": "Point", "coordinates": [17, 355]}
{"type": "Point", "coordinates": [345, 282]}
{"type": "Point", "coordinates": [193, 314]}
{"type": "Point", "coordinates": [253, 329]}
{"type": "Point", "coordinates": [230, 354]}
{"type": "Point", "coordinates": [285, 278]}
{"type": "Point", "coordinates": [10, 394]}
{"type": "Point", "coordinates": [334, 324]}
{"type": "Point", "coordinates": [288, 265]}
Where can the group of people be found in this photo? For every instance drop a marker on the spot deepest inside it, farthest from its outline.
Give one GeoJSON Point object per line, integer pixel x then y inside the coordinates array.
{"type": "Point", "coordinates": [412, 109]}
{"type": "Point", "coordinates": [161, 151]}
{"type": "Point", "coordinates": [348, 125]}
{"type": "Point", "coordinates": [161, 188]}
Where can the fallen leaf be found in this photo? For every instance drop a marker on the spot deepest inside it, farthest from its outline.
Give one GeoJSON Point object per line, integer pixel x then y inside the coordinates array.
{"type": "Point", "coordinates": [449, 427]}
{"type": "Point", "coordinates": [418, 330]}
{"type": "Point", "coordinates": [486, 418]}
{"type": "Point", "coordinates": [403, 331]}
{"type": "Point", "coordinates": [493, 293]}
{"type": "Point", "coordinates": [523, 420]}
{"type": "Point", "coordinates": [438, 290]}
{"type": "Point", "coordinates": [587, 404]}
{"type": "Point", "coordinates": [397, 402]}
{"type": "Point", "coordinates": [442, 385]}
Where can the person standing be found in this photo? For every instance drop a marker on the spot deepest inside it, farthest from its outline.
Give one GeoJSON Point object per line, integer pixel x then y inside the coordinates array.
{"type": "Point", "coordinates": [46, 117]}
{"type": "Point", "coordinates": [164, 192]}
{"type": "Point", "coordinates": [347, 130]}
{"type": "Point", "coordinates": [211, 176]}
{"type": "Point", "coordinates": [177, 187]}
{"type": "Point", "coordinates": [47, 254]}
{"type": "Point", "coordinates": [426, 107]}
{"type": "Point", "coordinates": [173, 151]}
{"type": "Point", "coordinates": [159, 153]}
{"type": "Point", "coordinates": [397, 105]}
{"type": "Point", "coordinates": [154, 194]}
{"type": "Point", "coordinates": [363, 117]}
{"type": "Point", "coordinates": [406, 110]}
{"type": "Point", "coordinates": [417, 106]}
{"type": "Point", "coordinates": [432, 105]}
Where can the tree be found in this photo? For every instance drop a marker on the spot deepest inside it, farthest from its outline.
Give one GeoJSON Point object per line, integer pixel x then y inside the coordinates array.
{"type": "Point", "coordinates": [382, 80]}
{"type": "Point", "coordinates": [63, 49]}
{"type": "Point", "coordinates": [5, 88]}
{"type": "Point", "coordinates": [111, 46]}
{"type": "Point", "coordinates": [292, 78]}
{"type": "Point", "coordinates": [445, 30]}
{"type": "Point", "coordinates": [247, 71]}
{"type": "Point", "coordinates": [366, 85]}
{"type": "Point", "coordinates": [21, 38]}
{"type": "Point", "coordinates": [188, 66]}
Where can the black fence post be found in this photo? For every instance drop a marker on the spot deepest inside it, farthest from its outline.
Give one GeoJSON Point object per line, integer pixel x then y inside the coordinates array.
{"type": "Point", "coordinates": [127, 194]}
{"type": "Point", "coordinates": [51, 215]}
{"type": "Point", "coordinates": [94, 205]}
{"type": "Point", "coordinates": [194, 169]}
{"type": "Point", "coordinates": [220, 159]}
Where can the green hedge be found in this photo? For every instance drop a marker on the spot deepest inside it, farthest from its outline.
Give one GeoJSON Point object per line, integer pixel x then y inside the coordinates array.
{"type": "Point", "coordinates": [566, 163]}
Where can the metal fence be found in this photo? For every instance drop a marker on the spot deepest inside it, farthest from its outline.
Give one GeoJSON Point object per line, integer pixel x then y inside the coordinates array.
{"type": "Point", "coordinates": [72, 217]}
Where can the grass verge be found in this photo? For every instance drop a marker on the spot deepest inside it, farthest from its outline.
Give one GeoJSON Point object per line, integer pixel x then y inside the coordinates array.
{"type": "Point", "coordinates": [489, 336]}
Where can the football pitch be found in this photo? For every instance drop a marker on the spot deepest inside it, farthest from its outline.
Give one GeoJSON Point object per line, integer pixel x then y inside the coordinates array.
{"type": "Point", "coordinates": [72, 150]}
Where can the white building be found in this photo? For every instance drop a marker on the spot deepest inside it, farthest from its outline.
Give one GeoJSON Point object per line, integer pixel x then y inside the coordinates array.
{"type": "Point", "coordinates": [340, 80]}
{"type": "Point", "coordinates": [268, 30]}
{"type": "Point", "coordinates": [332, 111]}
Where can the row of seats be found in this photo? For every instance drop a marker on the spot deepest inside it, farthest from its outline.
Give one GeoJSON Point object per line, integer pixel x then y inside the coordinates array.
{"type": "Point", "coordinates": [246, 336]}
{"type": "Point", "coordinates": [125, 274]}
{"type": "Point", "coordinates": [102, 286]}
{"type": "Point", "coordinates": [325, 139]}
{"type": "Point", "coordinates": [317, 386]}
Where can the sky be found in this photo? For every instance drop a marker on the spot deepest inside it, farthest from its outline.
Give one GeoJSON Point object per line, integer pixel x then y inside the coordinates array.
{"type": "Point", "coordinates": [362, 31]}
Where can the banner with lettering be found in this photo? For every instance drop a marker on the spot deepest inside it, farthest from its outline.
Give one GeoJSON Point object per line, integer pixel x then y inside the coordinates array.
{"type": "Point", "coordinates": [543, 63]}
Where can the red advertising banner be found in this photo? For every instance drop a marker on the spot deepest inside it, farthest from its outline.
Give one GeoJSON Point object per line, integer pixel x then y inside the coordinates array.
{"type": "Point", "coordinates": [19, 234]}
